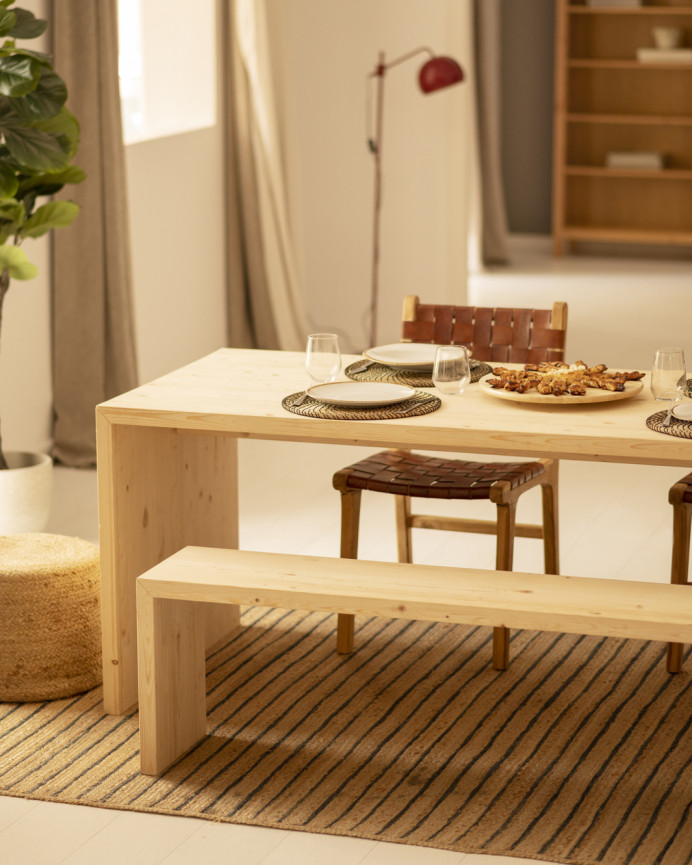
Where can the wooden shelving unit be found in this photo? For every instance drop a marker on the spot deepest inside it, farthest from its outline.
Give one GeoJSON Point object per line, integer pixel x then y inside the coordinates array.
{"type": "Point", "coordinates": [606, 100]}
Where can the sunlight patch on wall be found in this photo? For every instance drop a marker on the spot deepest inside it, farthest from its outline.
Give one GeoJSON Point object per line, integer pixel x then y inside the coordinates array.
{"type": "Point", "coordinates": [167, 67]}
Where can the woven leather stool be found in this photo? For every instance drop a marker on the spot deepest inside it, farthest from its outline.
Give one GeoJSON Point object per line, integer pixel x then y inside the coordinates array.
{"type": "Point", "coordinates": [680, 497]}
{"type": "Point", "coordinates": [50, 627]}
{"type": "Point", "coordinates": [405, 474]}
{"type": "Point", "coordinates": [498, 335]}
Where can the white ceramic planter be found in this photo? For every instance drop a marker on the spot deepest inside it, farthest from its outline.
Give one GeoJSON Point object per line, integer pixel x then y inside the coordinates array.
{"type": "Point", "coordinates": [25, 493]}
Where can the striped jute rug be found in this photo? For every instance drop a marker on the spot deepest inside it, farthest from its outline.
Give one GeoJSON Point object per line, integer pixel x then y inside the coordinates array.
{"type": "Point", "coordinates": [580, 752]}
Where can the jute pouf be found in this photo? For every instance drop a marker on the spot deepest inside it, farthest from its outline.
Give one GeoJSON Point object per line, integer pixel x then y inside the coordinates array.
{"type": "Point", "coordinates": [50, 627]}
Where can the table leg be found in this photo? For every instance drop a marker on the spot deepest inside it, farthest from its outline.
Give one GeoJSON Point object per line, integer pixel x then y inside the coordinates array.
{"type": "Point", "coordinates": [159, 489]}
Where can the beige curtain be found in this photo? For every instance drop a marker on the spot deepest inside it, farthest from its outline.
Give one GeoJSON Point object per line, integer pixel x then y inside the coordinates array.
{"type": "Point", "coordinates": [93, 328]}
{"type": "Point", "coordinates": [487, 58]}
{"type": "Point", "coordinates": [266, 305]}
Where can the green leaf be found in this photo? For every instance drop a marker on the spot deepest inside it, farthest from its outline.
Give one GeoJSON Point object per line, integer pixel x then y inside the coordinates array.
{"type": "Point", "coordinates": [49, 184]}
{"type": "Point", "coordinates": [7, 21]}
{"type": "Point", "coordinates": [12, 215]}
{"type": "Point", "coordinates": [14, 259]}
{"type": "Point", "coordinates": [19, 75]}
{"type": "Point", "coordinates": [45, 101]}
{"type": "Point", "coordinates": [11, 209]}
{"type": "Point", "coordinates": [9, 184]}
{"type": "Point", "coordinates": [65, 127]}
{"type": "Point", "coordinates": [36, 150]}
{"type": "Point", "coordinates": [9, 49]}
{"type": "Point", "coordinates": [55, 214]}
{"type": "Point", "coordinates": [28, 26]}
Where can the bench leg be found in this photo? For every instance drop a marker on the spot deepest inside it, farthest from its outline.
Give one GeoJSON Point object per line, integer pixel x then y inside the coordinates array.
{"type": "Point", "coordinates": [504, 557]}
{"type": "Point", "coordinates": [682, 517]}
{"type": "Point", "coordinates": [350, 524]}
{"type": "Point", "coordinates": [172, 687]}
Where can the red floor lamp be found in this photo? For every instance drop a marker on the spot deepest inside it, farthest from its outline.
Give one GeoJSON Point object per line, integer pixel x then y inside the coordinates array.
{"type": "Point", "coordinates": [435, 74]}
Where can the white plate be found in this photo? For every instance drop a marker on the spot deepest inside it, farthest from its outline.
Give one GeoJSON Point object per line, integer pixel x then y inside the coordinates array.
{"type": "Point", "coordinates": [404, 355]}
{"type": "Point", "coordinates": [360, 393]}
{"type": "Point", "coordinates": [683, 411]}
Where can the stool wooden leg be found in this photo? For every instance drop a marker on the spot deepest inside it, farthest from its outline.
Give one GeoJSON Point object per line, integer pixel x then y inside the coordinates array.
{"type": "Point", "coordinates": [402, 512]}
{"type": "Point", "coordinates": [350, 523]}
{"type": "Point", "coordinates": [506, 520]}
{"type": "Point", "coordinates": [172, 687]}
{"type": "Point", "coordinates": [682, 517]}
{"type": "Point", "coordinates": [551, 543]}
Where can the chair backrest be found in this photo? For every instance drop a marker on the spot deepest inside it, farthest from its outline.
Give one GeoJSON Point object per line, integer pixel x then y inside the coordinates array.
{"type": "Point", "coordinates": [499, 335]}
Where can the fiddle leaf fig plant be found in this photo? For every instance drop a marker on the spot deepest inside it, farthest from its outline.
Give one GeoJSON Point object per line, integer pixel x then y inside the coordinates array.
{"type": "Point", "coordinates": [38, 140]}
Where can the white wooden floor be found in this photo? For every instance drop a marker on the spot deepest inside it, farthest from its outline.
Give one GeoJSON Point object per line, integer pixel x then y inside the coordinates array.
{"type": "Point", "coordinates": [615, 521]}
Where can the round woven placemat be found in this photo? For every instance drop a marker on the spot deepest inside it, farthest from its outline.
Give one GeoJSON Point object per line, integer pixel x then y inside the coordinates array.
{"type": "Point", "coordinates": [680, 428]}
{"type": "Point", "coordinates": [420, 403]}
{"type": "Point", "coordinates": [380, 372]}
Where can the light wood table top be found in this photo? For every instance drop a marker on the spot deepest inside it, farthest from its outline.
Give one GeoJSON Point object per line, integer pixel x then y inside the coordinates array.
{"type": "Point", "coordinates": [239, 391]}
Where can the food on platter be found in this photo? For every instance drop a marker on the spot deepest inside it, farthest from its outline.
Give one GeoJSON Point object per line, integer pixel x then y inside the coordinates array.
{"type": "Point", "coordinates": [555, 378]}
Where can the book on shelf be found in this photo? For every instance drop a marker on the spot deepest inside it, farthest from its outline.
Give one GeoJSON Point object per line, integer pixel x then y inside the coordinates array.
{"type": "Point", "coordinates": [604, 4]}
{"type": "Point", "coordinates": [635, 159]}
{"type": "Point", "coordinates": [664, 55]}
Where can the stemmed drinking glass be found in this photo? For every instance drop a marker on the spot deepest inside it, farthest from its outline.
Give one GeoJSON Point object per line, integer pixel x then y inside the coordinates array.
{"type": "Point", "coordinates": [451, 371]}
{"type": "Point", "coordinates": [322, 359]}
{"type": "Point", "coordinates": [668, 376]}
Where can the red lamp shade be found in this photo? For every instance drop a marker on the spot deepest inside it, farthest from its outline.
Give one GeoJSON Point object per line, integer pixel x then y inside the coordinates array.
{"type": "Point", "coordinates": [439, 72]}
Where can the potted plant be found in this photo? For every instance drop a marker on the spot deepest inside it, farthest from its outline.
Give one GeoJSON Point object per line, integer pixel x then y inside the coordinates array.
{"type": "Point", "coordinates": [38, 139]}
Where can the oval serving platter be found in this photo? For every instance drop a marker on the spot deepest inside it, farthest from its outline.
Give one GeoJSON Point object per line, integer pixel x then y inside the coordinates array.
{"type": "Point", "coordinates": [591, 397]}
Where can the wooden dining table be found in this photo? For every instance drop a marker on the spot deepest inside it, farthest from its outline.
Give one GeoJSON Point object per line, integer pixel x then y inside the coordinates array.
{"type": "Point", "coordinates": [168, 464]}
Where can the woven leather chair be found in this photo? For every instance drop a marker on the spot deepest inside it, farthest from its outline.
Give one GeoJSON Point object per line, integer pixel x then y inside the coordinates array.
{"type": "Point", "coordinates": [497, 335]}
{"type": "Point", "coordinates": [680, 497]}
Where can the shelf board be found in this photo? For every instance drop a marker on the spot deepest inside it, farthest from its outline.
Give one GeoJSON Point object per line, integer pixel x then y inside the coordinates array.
{"type": "Point", "coordinates": [631, 10]}
{"type": "Point", "coordinates": [627, 235]}
{"type": "Point", "coordinates": [631, 119]}
{"type": "Point", "coordinates": [645, 173]}
{"type": "Point", "coordinates": [585, 63]}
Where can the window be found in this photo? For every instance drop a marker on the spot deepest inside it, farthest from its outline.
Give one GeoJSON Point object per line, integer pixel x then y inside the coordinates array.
{"type": "Point", "coordinates": [167, 67]}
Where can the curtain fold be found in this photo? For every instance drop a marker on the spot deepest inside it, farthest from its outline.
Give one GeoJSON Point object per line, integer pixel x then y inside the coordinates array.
{"type": "Point", "coordinates": [266, 303]}
{"type": "Point", "coordinates": [487, 57]}
{"type": "Point", "coordinates": [94, 356]}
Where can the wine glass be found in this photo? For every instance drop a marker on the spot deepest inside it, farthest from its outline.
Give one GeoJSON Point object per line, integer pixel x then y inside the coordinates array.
{"type": "Point", "coordinates": [668, 375]}
{"type": "Point", "coordinates": [451, 371]}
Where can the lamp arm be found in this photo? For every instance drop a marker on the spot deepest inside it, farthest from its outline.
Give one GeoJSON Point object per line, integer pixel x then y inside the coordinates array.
{"type": "Point", "coordinates": [381, 67]}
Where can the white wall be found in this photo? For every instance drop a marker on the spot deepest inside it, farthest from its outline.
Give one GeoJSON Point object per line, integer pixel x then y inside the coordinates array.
{"type": "Point", "coordinates": [25, 359]}
{"type": "Point", "coordinates": [177, 238]}
{"type": "Point", "coordinates": [324, 50]}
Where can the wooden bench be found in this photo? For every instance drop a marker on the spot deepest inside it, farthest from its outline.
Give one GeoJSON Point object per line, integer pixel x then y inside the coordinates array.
{"type": "Point", "coordinates": [170, 599]}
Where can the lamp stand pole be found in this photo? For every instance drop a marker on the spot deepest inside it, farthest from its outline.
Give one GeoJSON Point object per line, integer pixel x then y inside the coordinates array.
{"type": "Point", "coordinates": [376, 147]}
{"type": "Point", "coordinates": [436, 73]}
